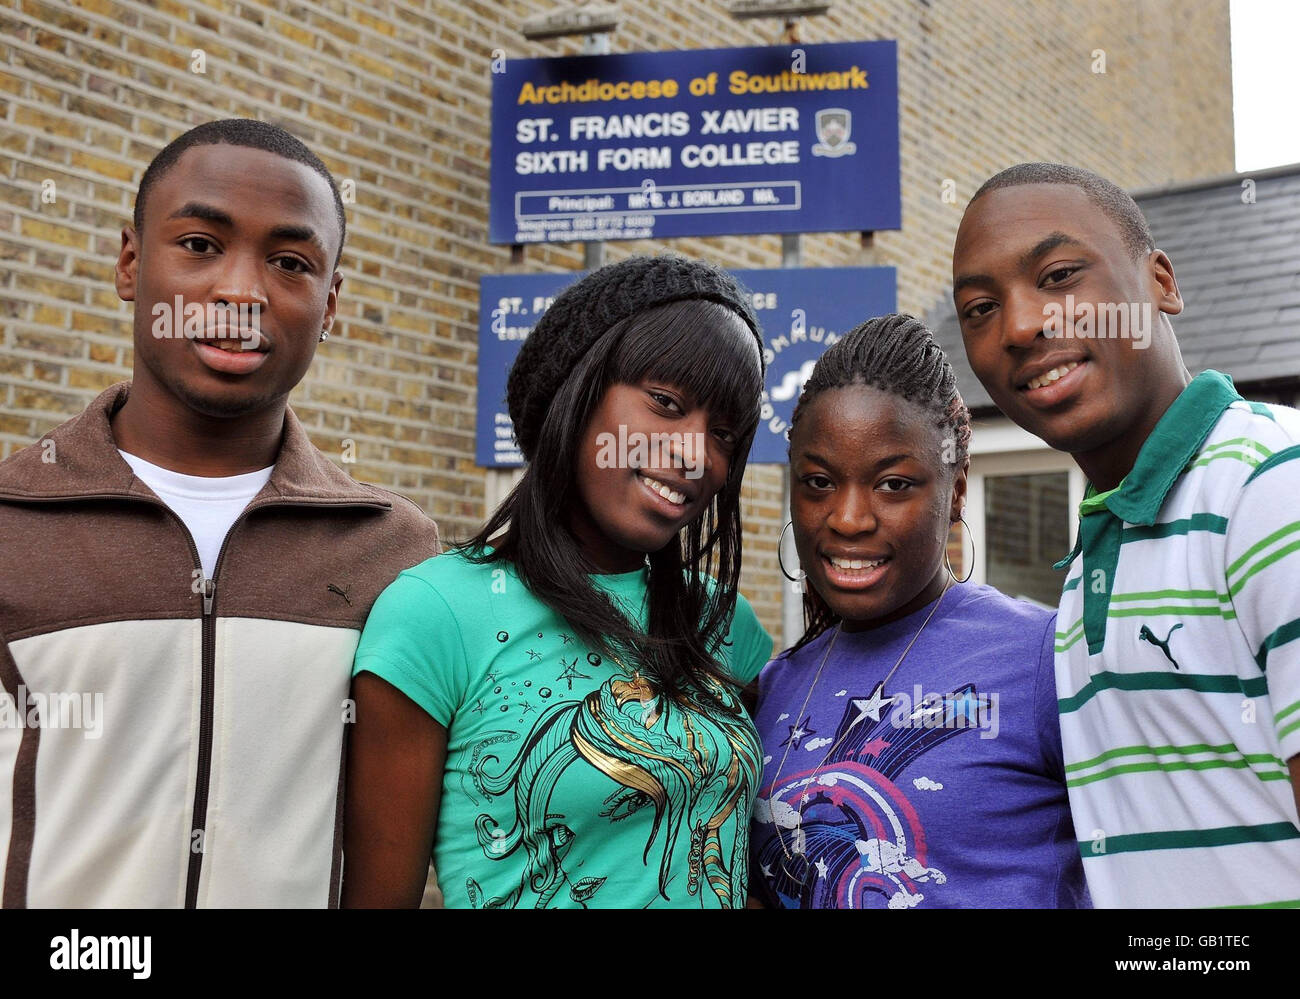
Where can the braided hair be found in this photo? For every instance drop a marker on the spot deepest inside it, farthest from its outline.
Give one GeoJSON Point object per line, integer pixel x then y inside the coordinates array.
{"type": "Point", "coordinates": [895, 353]}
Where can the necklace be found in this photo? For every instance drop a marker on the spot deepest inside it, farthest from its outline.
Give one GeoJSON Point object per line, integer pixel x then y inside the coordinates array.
{"type": "Point", "coordinates": [873, 706]}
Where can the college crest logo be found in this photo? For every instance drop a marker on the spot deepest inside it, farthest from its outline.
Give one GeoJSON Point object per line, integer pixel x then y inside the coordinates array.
{"type": "Point", "coordinates": [833, 127]}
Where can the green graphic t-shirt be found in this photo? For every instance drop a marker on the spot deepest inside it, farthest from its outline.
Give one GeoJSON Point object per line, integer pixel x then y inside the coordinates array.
{"type": "Point", "coordinates": [569, 781]}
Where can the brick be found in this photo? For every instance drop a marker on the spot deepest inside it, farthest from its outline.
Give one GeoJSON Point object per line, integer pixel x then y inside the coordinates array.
{"type": "Point", "coordinates": [49, 315]}
{"type": "Point", "coordinates": [14, 367]}
{"type": "Point", "coordinates": [46, 123]}
{"type": "Point", "coordinates": [105, 298]}
{"type": "Point", "coordinates": [149, 51]}
{"type": "Point", "coordinates": [12, 250]}
{"type": "Point", "coordinates": [97, 379]}
{"type": "Point", "coordinates": [101, 111]}
{"type": "Point", "coordinates": [102, 353]}
{"type": "Point", "coordinates": [48, 371]}
{"type": "Point", "coordinates": [49, 344]}
{"type": "Point", "coordinates": [17, 425]}
{"type": "Point", "coordinates": [96, 272]}
{"type": "Point", "coordinates": [49, 69]}
{"type": "Point", "coordinates": [52, 233]}
{"type": "Point", "coordinates": [52, 287]}
{"type": "Point", "coordinates": [103, 165]}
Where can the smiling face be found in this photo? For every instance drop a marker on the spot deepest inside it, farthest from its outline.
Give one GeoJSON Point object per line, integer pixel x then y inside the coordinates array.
{"type": "Point", "coordinates": [872, 503]}
{"type": "Point", "coordinates": [635, 499]}
{"type": "Point", "coordinates": [1019, 252]}
{"type": "Point", "coordinates": [231, 228]}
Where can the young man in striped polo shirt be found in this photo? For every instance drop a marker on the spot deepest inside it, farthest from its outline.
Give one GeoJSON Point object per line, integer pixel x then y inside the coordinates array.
{"type": "Point", "coordinates": [1178, 642]}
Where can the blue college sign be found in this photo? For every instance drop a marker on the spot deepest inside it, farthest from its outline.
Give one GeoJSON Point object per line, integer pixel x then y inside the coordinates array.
{"type": "Point", "coordinates": [696, 143]}
{"type": "Point", "coordinates": [802, 311]}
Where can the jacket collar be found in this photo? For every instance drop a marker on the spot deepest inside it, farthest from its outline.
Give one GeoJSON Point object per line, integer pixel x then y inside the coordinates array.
{"type": "Point", "coordinates": [79, 460]}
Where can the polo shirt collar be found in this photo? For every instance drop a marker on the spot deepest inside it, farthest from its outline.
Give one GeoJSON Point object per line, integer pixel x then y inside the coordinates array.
{"type": "Point", "coordinates": [1174, 442]}
{"type": "Point", "coordinates": [1171, 446]}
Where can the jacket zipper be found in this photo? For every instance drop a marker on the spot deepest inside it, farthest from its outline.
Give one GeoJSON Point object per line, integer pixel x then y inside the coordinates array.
{"type": "Point", "coordinates": [207, 679]}
{"type": "Point", "coordinates": [198, 824]}
{"type": "Point", "coordinates": [207, 684]}
{"type": "Point", "coordinates": [207, 673]}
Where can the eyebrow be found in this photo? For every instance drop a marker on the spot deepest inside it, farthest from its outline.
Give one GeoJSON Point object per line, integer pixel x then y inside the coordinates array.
{"type": "Point", "coordinates": [303, 233]}
{"type": "Point", "coordinates": [1045, 245]}
{"type": "Point", "coordinates": [198, 210]}
{"type": "Point", "coordinates": [208, 213]}
{"type": "Point", "coordinates": [892, 459]}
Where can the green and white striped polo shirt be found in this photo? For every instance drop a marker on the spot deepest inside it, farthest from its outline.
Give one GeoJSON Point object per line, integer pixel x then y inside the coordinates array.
{"type": "Point", "coordinates": [1178, 664]}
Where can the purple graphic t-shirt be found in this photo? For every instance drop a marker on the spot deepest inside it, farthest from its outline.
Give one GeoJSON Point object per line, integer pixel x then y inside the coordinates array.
{"type": "Point", "coordinates": [943, 788]}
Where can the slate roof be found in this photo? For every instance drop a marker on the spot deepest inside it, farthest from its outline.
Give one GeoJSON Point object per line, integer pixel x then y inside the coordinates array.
{"type": "Point", "coordinates": [1238, 268]}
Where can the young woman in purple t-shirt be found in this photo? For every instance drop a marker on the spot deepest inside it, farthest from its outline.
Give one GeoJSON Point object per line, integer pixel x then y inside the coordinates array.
{"type": "Point", "coordinates": [912, 752]}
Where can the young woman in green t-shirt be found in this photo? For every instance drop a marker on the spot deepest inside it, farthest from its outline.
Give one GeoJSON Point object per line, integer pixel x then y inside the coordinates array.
{"type": "Point", "coordinates": [552, 709]}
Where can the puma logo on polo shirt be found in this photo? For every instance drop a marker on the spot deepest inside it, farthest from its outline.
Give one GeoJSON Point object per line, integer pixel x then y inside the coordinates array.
{"type": "Point", "coordinates": [1147, 635]}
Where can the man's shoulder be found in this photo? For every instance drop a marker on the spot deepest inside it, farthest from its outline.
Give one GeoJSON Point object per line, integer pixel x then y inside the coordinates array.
{"type": "Point", "coordinates": [305, 473]}
{"type": "Point", "coordinates": [387, 541]}
{"type": "Point", "coordinates": [1248, 439]}
{"type": "Point", "coordinates": [1262, 427]}
{"type": "Point", "coordinates": [405, 514]}
{"type": "Point", "coordinates": [76, 456]}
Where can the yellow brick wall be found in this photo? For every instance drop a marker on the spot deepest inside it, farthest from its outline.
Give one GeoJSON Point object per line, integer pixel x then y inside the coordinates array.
{"type": "Point", "coordinates": [394, 95]}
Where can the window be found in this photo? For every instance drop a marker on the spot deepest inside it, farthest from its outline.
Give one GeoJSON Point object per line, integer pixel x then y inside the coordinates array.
{"type": "Point", "coordinates": [1026, 529]}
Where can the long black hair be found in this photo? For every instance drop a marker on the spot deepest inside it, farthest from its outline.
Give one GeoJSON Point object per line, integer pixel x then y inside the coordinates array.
{"type": "Point", "coordinates": [895, 353]}
{"type": "Point", "coordinates": [705, 350]}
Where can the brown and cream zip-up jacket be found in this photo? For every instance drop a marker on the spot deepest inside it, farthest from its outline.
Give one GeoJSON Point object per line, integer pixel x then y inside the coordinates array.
{"type": "Point", "coordinates": [168, 739]}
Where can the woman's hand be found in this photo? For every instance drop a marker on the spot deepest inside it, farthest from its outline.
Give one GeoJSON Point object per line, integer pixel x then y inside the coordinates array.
{"type": "Point", "coordinates": [396, 756]}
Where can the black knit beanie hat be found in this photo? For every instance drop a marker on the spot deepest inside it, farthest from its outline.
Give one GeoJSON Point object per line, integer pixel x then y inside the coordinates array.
{"type": "Point", "coordinates": [585, 311]}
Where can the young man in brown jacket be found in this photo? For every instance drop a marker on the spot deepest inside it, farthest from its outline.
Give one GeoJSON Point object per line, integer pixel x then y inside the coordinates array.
{"type": "Point", "coordinates": [183, 576]}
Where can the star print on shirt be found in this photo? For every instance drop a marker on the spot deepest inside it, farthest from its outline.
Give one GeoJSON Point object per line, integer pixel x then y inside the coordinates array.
{"type": "Point", "coordinates": [798, 733]}
{"type": "Point", "coordinates": [822, 867]}
{"type": "Point", "coordinates": [533, 655]}
{"type": "Point", "coordinates": [571, 672]}
{"type": "Point", "coordinates": [966, 706]}
{"type": "Point", "coordinates": [871, 706]}
{"type": "Point", "coordinates": [874, 747]}
{"type": "Point", "coordinates": [478, 706]}
{"type": "Point", "coordinates": [567, 638]}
